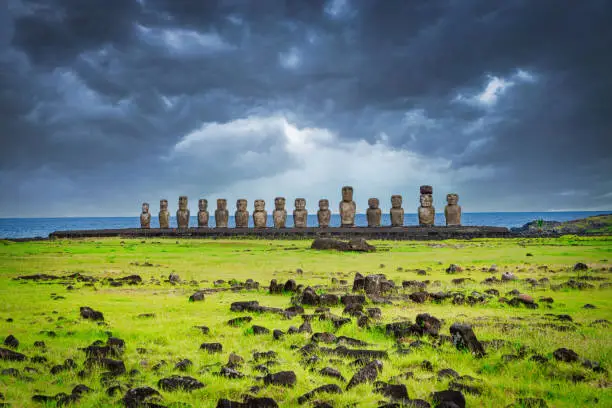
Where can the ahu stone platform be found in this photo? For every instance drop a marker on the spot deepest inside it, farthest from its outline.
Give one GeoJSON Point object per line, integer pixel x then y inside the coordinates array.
{"type": "Point", "coordinates": [385, 233]}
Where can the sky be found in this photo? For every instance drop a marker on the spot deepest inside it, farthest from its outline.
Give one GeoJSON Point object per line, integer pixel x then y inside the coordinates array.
{"type": "Point", "coordinates": [105, 104]}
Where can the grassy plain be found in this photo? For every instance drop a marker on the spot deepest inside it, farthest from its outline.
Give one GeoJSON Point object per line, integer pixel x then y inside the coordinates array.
{"type": "Point", "coordinates": [37, 308]}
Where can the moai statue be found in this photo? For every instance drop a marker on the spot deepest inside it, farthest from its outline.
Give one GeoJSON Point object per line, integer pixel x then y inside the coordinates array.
{"type": "Point", "coordinates": [397, 212]}
{"type": "Point", "coordinates": [324, 214]}
{"type": "Point", "coordinates": [221, 213]}
{"type": "Point", "coordinates": [203, 213]}
{"type": "Point", "coordinates": [452, 212]}
{"type": "Point", "coordinates": [145, 216]}
{"type": "Point", "coordinates": [242, 214]}
{"type": "Point", "coordinates": [280, 214]}
{"type": "Point", "coordinates": [164, 214]}
{"type": "Point", "coordinates": [347, 207]}
{"type": "Point", "coordinates": [427, 213]}
{"type": "Point", "coordinates": [373, 213]}
{"type": "Point", "coordinates": [182, 214]}
{"type": "Point", "coordinates": [300, 214]}
{"type": "Point", "coordinates": [260, 216]}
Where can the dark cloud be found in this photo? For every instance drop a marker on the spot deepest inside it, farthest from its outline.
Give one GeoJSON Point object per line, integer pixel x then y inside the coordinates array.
{"type": "Point", "coordinates": [95, 95]}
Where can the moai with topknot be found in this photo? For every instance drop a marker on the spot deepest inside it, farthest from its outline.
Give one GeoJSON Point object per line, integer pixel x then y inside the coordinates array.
{"type": "Point", "coordinates": [427, 212]}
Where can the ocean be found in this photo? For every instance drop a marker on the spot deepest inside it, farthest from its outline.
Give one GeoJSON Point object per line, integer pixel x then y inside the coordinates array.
{"type": "Point", "coordinates": [42, 227]}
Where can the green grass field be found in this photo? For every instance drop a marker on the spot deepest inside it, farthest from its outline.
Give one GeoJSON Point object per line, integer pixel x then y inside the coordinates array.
{"type": "Point", "coordinates": [37, 308]}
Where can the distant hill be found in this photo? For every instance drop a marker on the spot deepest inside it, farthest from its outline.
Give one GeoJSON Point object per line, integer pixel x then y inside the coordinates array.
{"type": "Point", "coordinates": [594, 225]}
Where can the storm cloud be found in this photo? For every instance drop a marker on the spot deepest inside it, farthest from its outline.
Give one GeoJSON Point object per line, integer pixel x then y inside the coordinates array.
{"type": "Point", "coordinates": [105, 104]}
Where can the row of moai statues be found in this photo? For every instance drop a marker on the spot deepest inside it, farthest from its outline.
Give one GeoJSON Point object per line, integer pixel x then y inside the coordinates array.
{"type": "Point", "coordinates": [348, 209]}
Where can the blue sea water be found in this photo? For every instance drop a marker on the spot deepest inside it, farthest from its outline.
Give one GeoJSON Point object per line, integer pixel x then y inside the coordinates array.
{"type": "Point", "coordinates": [42, 227]}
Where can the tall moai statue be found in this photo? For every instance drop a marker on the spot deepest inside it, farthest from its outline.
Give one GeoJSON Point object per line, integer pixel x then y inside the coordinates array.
{"type": "Point", "coordinates": [221, 213]}
{"type": "Point", "coordinates": [145, 216]}
{"type": "Point", "coordinates": [182, 214]}
{"type": "Point", "coordinates": [452, 212]}
{"type": "Point", "coordinates": [300, 214]}
{"type": "Point", "coordinates": [324, 214]}
{"type": "Point", "coordinates": [164, 214]}
{"type": "Point", "coordinates": [347, 207]}
{"type": "Point", "coordinates": [203, 213]}
{"type": "Point", "coordinates": [397, 212]}
{"type": "Point", "coordinates": [241, 216]}
{"type": "Point", "coordinates": [427, 213]}
{"type": "Point", "coordinates": [280, 214]}
{"type": "Point", "coordinates": [373, 213]}
{"type": "Point", "coordinates": [260, 216]}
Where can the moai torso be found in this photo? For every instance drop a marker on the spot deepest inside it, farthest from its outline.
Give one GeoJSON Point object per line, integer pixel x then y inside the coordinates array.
{"type": "Point", "coordinates": [182, 214]}
{"type": "Point", "coordinates": [145, 216]}
{"type": "Point", "coordinates": [397, 212]}
{"type": "Point", "coordinates": [203, 213]}
{"type": "Point", "coordinates": [221, 213]}
{"type": "Point", "coordinates": [280, 214]}
{"type": "Point", "coordinates": [427, 213]}
{"type": "Point", "coordinates": [324, 214]}
{"type": "Point", "coordinates": [164, 214]}
{"type": "Point", "coordinates": [300, 215]}
{"type": "Point", "coordinates": [373, 213]}
{"type": "Point", "coordinates": [242, 214]}
{"type": "Point", "coordinates": [452, 212]}
{"type": "Point", "coordinates": [347, 207]}
{"type": "Point", "coordinates": [260, 217]}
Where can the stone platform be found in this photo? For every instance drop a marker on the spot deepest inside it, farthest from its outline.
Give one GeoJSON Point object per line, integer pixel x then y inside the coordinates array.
{"type": "Point", "coordinates": [389, 233]}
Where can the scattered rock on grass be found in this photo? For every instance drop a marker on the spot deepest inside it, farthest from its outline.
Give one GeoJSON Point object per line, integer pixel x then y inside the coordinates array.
{"type": "Point", "coordinates": [368, 373]}
{"type": "Point", "coordinates": [327, 389]}
{"type": "Point", "coordinates": [282, 378]}
{"type": "Point", "coordinates": [179, 383]}
{"type": "Point", "coordinates": [11, 341]}
{"type": "Point", "coordinates": [141, 397]}
{"type": "Point", "coordinates": [90, 314]}
{"type": "Point", "coordinates": [464, 338]}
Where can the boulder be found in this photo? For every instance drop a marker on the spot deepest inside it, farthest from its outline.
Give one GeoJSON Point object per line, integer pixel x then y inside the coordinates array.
{"type": "Point", "coordinates": [327, 389]}
{"type": "Point", "coordinates": [429, 324]}
{"type": "Point", "coordinates": [367, 373]}
{"type": "Point", "coordinates": [449, 399]}
{"type": "Point", "coordinates": [141, 396]}
{"type": "Point", "coordinates": [567, 355]}
{"type": "Point", "coordinates": [90, 314]}
{"type": "Point", "coordinates": [11, 341]}
{"type": "Point", "coordinates": [179, 383]}
{"type": "Point", "coordinates": [282, 378]}
{"type": "Point", "coordinates": [356, 244]}
{"type": "Point", "coordinates": [464, 338]}
{"type": "Point", "coordinates": [197, 296]}
{"type": "Point", "coordinates": [358, 283]}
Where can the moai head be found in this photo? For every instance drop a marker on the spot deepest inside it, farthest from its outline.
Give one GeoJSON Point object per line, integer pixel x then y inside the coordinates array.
{"type": "Point", "coordinates": [396, 201]}
{"type": "Point", "coordinates": [300, 203]}
{"type": "Point", "coordinates": [221, 204]}
{"type": "Point", "coordinates": [452, 199]}
{"type": "Point", "coordinates": [347, 193]}
{"type": "Point", "coordinates": [163, 205]}
{"type": "Point", "coordinates": [241, 204]}
{"type": "Point", "coordinates": [373, 203]}
{"type": "Point", "coordinates": [279, 203]}
{"type": "Point", "coordinates": [426, 190]}
{"type": "Point", "coordinates": [182, 203]}
{"type": "Point", "coordinates": [324, 204]}
{"type": "Point", "coordinates": [426, 200]}
{"type": "Point", "coordinates": [203, 204]}
{"type": "Point", "coordinates": [145, 208]}
{"type": "Point", "coordinates": [260, 205]}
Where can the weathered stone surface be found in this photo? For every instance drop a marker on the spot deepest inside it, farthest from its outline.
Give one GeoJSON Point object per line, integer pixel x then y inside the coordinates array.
{"type": "Point", "coordinates": [426, 189]}
{"type": "Point", "coordinates": [580, 266]}
{"type": "Point", "coordinates": [348, 207]}
{"type": "Point", "coordinates": [257, 330]}
{"type": "Point", "coordinates": [221, 213]}
{"type": "Point", "coordinates": [145, 216]}
{"type": "Point", "coordinates": [248, 305]}
{"type": "Point", "coordinates": [116, 367]}
{"type": "Point", "coordinates": [249, 402]}
{"type": "Point", "coordinates": [260, 216]}
{"type": "Point", "coordinates": [368, 373]}
{"type": "Point", "coordinates": [179, 383]}
{"type": "Point", "coordinates": [164, 214]}
{"type": "Point", "coordinates": [10, 355]}
{"type": "Point", "coordinates": [327, 389]}
{"type": "Point", "coordinates": [89, 313]}
{"type": "Point", "coordinates": [182, 214]}
{"type": "Point", "coordinates": [449, 397]}
{"type": "Point", "coordinates": [376, 284]}
{"type": "Point", "coordinates": [452, 211]}
{"type": "Point", "coordinates": [323, 214]}
{"type": "Point", "coordinates": [566, 355]}
{"type": "Point", "coordinates": [241, 216]}
{"type": "Point", "coordinates": [212, 347]}
{"type": "Point", "coordinates": [203, 215]}
{"type": "Point", "coordinates": [11, 341]}
{"type": "Point", "coordinates": [279, 215]}
{"type": "Point", "coordinates": [464, 338]}
{"type": "Point", "coordinates": [429, 324]}
{"type": "Point", "coordinates": [300, 214]}
{"type": "Point", "coordinates": [373, 213]}
{"type": "Point", "coordinates": [397, 212]}
{"type": "Point", "coordinates": [141, 397]}
{"type": "Point", "coordinates": [329, 299]}
{"type": "Point", "coordinates": [332, 372]}
{"type": "Point", "coordinates": [309, 297]}
{"type": "Point", "coordinates": [396, 392]}
{"type": "Point", "coordinates": [282, 378]}
{"type": "Point", "coordinates": [197, 296]}
{"type": "Point", "coordinates": [356, 244]}
{"type": "Point", "coordinates": [426, 211]}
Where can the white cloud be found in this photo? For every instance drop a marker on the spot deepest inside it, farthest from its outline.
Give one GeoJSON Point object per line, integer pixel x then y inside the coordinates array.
{"type": "Point", "coordinates": [183, 41]}
{"type": "Point", "coordinates": [495, 88]}
{"type": "Point", "coordinates": [290, 59]}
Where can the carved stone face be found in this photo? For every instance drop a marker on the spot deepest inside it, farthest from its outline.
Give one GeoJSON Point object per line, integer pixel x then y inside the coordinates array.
{"type": "Point", "coordinates": [163, 205]}
{"type": "Point", "coordinates": [396, 201]}
{"type": "Point", "coordinates": [145, 207]}
{"type": "Point", "coordinates": [182, 203]}
{"type": "Point", "coordinates": [203, 204]}
{"type": "Point", "coordinates": [279, 203]}
{"type": "Point", "coordinates": [452, 199]}
{"type": "Point", "coordinates": [300, 203]}
{"type": "Point", "coordinates": [373, 203]}
{"type": "Point", "coordinates": [260, 205]}
{"type": "Point", "coordinates": [241, 204]}
{"type": "Point", "coordinates": [426, 200]}
{"type": "Point", "coordinates": [324, 204]}
{"type": "Point", "coordinates": [221, 204]}
{"type": "Point", "coordinates": [347, 193]}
